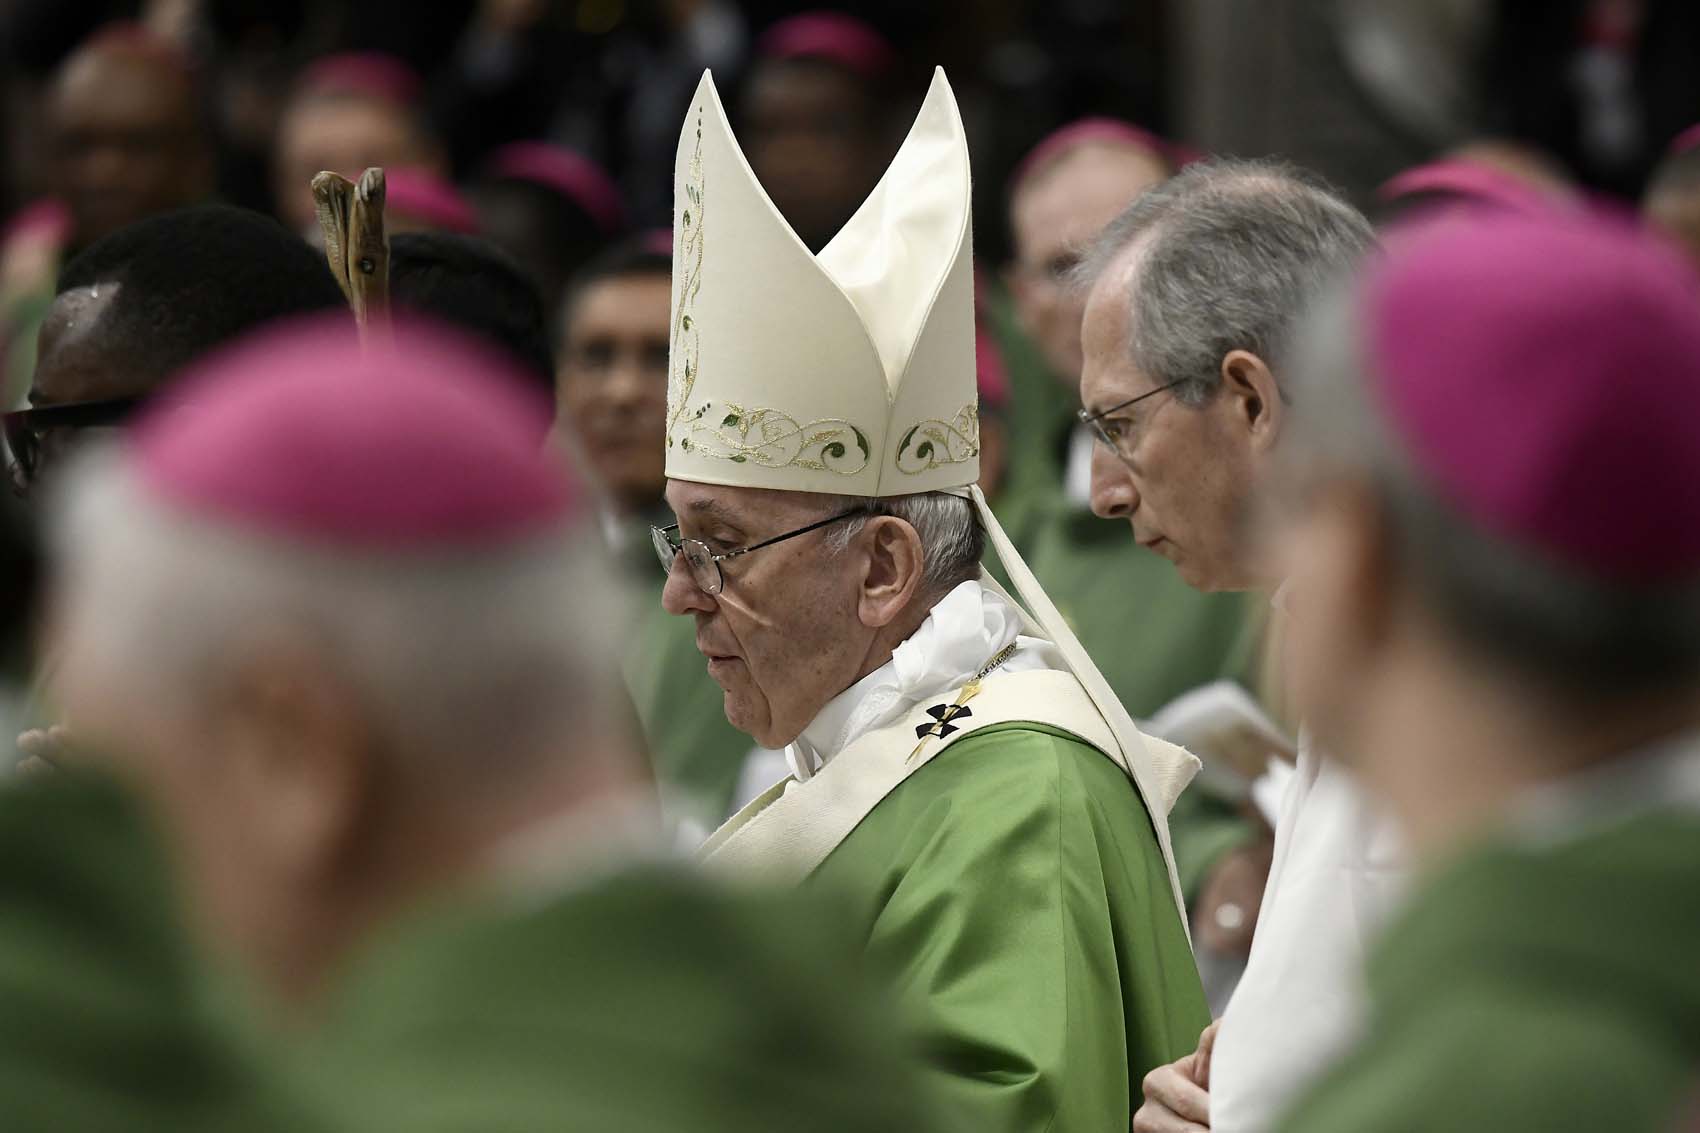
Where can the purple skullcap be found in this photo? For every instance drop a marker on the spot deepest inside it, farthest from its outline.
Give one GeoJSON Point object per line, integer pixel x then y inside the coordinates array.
{"type": "Point", "coordinates": [831, 36]}
{"type": "Point", "coordinates": [569, 174]}
{"type": "Point", "coordinates": [424, 444]}
{"type": "Point", "coordinates": [1097, 131]}
{"type": "Point", "coordinates": [1469, 181]}
{"type": "Point", "coordinates": [1541, 373]}
{"type": "Point", "coordinates": [427, 198]}
{"type": "Point", "coordinates": [1685, 141]}
{"type": "Point", "coordinates": [370, 73]}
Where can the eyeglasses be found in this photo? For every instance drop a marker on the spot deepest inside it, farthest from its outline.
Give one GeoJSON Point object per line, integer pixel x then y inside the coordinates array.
{"type": "Point", "coordinates": [1114, 434]}
{"type": "Point", "coordinates": [28, 431]}
{"type": "Point", "coordinates": [704, 564]}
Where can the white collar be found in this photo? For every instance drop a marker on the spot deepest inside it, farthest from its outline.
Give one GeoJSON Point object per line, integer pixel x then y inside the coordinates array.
{"type": "Point", "coordinates": [1663, 776]}
{"type": "Point", "coordinates": [966, 629]}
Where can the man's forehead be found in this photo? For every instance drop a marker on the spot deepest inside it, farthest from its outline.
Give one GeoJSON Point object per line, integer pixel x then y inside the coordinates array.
{"type": "Point", "coordinates": [1085, 189]}
{"type": "Point", "coordinates": [1110, 375]}
{"type": "Point", "coordinates": [742, 506]}
{"type": "Point", "coordinates": [71, 354]}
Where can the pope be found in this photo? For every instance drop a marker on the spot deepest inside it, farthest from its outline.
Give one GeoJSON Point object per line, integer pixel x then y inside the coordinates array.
{"type": "Point", "coordinates": [1502, 627]}
{"type": "Point", "coordinates": [962, 780]}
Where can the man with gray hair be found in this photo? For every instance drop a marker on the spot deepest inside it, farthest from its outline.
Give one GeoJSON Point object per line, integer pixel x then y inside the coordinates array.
{"type": "Point", "coordinates": [962, 780]}
{"type": "Point", "coordinates": [1501, 631]}
{"type": "Point", "coordinates": [1195, 292]}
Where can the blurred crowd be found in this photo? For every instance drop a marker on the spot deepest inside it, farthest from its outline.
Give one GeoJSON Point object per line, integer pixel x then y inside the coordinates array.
{"type": "Point", "coordinates": [501, 428]}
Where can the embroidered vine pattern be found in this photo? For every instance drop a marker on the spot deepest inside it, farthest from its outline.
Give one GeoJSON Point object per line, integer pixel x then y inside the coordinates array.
{"type": "Point", "coordinates": [933, 443]}
{"type": "Point", "coordinates": [774, 439]}
{"type": "Point", "coordinates": [686, 348]}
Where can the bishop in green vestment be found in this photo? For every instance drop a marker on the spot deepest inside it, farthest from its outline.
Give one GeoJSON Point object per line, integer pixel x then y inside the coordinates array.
{"type": "Point", "coordinates": [107, 1018]}
{"type": "Point", "coordinates": [965, 786]}
{"type": "Point", "coordinates": [1503, 638]}
{"type": "Point", "coordinates": [1536, 986]}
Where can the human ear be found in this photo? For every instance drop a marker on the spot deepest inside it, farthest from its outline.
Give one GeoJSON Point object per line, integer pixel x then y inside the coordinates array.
{"type": "Point", "coordinates": [1253, 397]}
{"type": "Point", "coordinates": [298, 757]}
{"type": "Point", "coordinates": [895, 563]}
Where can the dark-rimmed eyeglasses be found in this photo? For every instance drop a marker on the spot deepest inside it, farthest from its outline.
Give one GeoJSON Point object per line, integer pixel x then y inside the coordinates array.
{"type": "Point", "coordinates": [704, 564]}
{"type": "Point", "coordinates": [27, 431]}
{"type": "Point", "coordinates": [1114, 434]}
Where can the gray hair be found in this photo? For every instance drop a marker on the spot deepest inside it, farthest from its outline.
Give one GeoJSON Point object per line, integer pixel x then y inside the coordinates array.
{"type": "Point", "coordinates": [1230, 255]}
{"type": "Point", "coordinates": [468, 664]}
{"type": "Point", "coordinates": [952, 538]}
{"type": "Point", "coordinates": [1552, 627]}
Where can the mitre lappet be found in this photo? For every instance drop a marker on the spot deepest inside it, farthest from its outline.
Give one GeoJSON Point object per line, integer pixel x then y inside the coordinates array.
{"type": "Point", "coordinates": [852, 372]}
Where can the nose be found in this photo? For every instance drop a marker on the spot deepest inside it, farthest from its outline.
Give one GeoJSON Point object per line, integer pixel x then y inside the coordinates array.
{"type": "Point", "coordinates": [682, 595]}
{"type": "Point", "coordinates": [1114, 495]}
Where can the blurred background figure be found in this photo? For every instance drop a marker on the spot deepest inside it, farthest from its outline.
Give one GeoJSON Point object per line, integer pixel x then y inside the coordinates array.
{"type": "Point", "coordinates": [136, 307]}
{"type": "Point", "coordinates": [349, 112]}
{"type": "Point", "coordinates": [1672, 200]}
{"type": "Point", "coordinates": [127, 135]}
{"type": "Point", "coordinates": [816, 121]}
{"type": "Point", "coordinates": [613, 411]}
{"type": "Point", "coordinates": [418, 201]}
{"type": "Point", "coordinates": [1503, 640]}
{"type": "Point", "coordinates": [336, 620]}
{"type": "Point", "coordinates": [551, 209]}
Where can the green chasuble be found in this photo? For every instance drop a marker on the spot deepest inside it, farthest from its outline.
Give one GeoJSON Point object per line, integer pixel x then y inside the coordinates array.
{"type": "Point", "coordinates": [1012, 890]}
{"type": "Point", "coordinates": [1552, 988]}
{"type": "Point", "coordinates": [106, 1022]}
{"type": "Point", "coordinates": [641, 1002]}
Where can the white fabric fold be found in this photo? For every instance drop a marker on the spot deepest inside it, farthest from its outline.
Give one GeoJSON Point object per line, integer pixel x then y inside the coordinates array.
{"type": "Point", "coordinates": [964, 631]}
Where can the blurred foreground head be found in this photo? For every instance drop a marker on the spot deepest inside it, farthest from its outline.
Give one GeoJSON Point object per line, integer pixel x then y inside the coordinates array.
{"type": "Point", "coordinates": [126, 134]}
{"type": "Point", "coordinates": [1195, 291]}
{"type": "Point", "coordinates": [331, 610]}
{"type": "Point", "coordinates": [138, 306]}
{"type": "Point", "coordinates": [1063, 193]}
{"type": "Point", "coordinates": [1489, 534]}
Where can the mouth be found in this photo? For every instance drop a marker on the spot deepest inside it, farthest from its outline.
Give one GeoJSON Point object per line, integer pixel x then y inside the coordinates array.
{"type": "Point", "coordinates": [717, 662]}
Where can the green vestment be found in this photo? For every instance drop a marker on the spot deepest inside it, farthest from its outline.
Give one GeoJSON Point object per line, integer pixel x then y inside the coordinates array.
{"type": "Point", "coordinates": [106, 1021]}
{"type": "Point", "coordinates": [1552, 988]}
{"type": "Point", "coordinates": [1013, 892]}
{"type": "Point", "coordinates": [643, 1002]}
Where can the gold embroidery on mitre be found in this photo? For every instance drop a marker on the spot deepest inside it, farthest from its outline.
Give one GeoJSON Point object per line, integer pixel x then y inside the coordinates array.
{"type": "Point", "coordinates": [685, 349]}
{"type": "Point", "coordinates": [934, 443]}
{"type": "Point", "coordinates": [773, 439]}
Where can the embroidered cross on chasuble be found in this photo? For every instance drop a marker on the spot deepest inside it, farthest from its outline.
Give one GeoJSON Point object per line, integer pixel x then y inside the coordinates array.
{"type": "Point", "coordinates": [944, 714]}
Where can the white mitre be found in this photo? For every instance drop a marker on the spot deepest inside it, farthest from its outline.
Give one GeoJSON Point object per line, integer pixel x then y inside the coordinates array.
{"type": "Point", "coordinates": [852, 372]}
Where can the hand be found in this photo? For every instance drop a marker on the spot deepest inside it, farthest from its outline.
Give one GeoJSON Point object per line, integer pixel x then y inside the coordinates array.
{"type": "Point", "coordinates": [1176, 1096]}
{"type": "Point", "coordinates": [1232, 895]}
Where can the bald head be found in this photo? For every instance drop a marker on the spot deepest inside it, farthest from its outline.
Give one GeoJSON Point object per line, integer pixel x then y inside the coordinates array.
{"type": "Point", "coordinates": [126, 136]}
{"type": "Point", "coordinates": [1057, 208]}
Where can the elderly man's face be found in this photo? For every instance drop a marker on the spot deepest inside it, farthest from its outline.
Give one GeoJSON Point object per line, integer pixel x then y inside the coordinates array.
{"type": "Point", "coordinates": [783, 636]}
{"type": "Point", "coordinates": [1055, 217]}
{"type": "Point", "coordinates": [126, 141]}
{"type": "Point", "coordinates": [613, 384]}
{"type": "Point", "coordinates": [1183, 474]}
